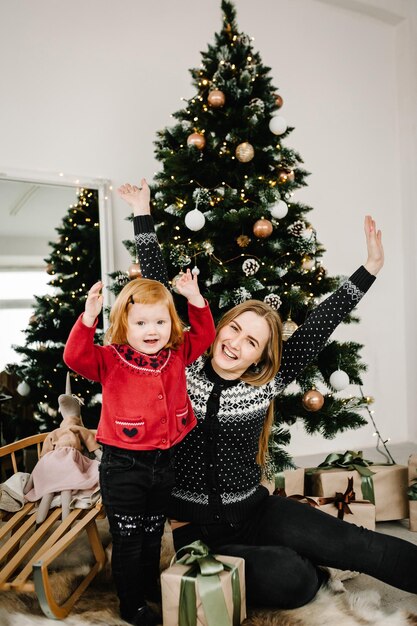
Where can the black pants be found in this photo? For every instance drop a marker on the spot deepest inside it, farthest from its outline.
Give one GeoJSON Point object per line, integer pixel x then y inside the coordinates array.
{"type": "Point", "coordinates": [135, 486]}
{"type": "Point", "coordinates": [284, 543]}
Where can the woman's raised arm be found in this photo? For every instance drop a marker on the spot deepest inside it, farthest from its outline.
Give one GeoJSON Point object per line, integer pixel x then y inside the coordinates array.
{"type": "Point", "coordinates": [150, 258]}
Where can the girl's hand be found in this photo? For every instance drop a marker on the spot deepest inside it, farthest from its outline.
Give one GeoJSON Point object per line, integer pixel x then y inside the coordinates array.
{"type": "Point", "coordinates": [375, 248]}
{"type": "Point", "coordinates": [187, 286]}
{"type": "Point", "coordinates": [137, 197]}
{"type": "Point", "coordinates": [93, 304]}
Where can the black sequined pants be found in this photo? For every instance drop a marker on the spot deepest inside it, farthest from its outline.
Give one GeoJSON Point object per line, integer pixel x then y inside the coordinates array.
{"type": "Point", "coordinates": [135, 486]}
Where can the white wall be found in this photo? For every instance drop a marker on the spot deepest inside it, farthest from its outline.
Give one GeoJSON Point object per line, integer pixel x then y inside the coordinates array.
{"type": "Point", "coordinates": [86, 85]}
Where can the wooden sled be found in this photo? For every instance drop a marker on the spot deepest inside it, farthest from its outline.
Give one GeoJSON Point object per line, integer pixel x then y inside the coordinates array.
{"type": "Point", "coordinates": [27, 552]}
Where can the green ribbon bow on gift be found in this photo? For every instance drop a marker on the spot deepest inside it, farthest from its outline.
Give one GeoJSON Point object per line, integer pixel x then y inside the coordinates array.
{"type": "Point", "coordinates": [204, 572]}
{"type": "Point", "coordinates": [280, 483]}
{"type": "Point", "coordinates": [351, 460]}
{"type": "Point", "coordinates": [412, 491]}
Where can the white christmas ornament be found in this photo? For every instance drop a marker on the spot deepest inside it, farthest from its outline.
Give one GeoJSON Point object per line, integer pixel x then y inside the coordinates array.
{"type": "Point", "coordinates": [339, 380]}
{"type": "Point", "coordinates": [195, 220]}
{"type": "Point", "coordinates": [279, 210]}
{"type": "Point", "coordinates": [23, 388]}
{"type": "Point", "coordinates": [277, 125]}
{"type": "Point", "coordinates": [195, 271]}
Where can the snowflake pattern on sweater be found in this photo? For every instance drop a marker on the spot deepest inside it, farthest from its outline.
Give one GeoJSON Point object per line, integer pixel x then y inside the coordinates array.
{"type": "Point", "coordinates": [217, 477]}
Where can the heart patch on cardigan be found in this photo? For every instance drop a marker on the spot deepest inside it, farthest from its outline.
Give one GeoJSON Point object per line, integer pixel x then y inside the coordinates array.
{"type": "Point", "coordinates": [130, 432]}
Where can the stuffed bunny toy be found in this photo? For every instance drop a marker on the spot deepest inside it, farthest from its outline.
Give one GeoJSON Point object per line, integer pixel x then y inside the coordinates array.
{"type": "Point", "coordinates": [63, 468]}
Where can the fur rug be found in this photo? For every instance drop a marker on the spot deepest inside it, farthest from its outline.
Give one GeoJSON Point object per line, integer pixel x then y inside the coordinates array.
{"type": "Point", "coordinates": [98, 605]}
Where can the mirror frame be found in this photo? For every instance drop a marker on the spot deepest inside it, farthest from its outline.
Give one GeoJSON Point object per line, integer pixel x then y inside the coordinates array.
{"type": "Point", "coordinates": [103, 187]}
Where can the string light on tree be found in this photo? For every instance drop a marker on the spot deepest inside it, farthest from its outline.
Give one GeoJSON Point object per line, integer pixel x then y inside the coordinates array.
{"type": "Point", "coordinates": [380, 440]}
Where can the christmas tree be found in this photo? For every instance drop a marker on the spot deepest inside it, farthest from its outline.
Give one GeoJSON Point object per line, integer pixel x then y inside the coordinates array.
{"type": "Point", "coordinates": [225, 205]}
{"type": "Point", "coordinates": [74, 265]}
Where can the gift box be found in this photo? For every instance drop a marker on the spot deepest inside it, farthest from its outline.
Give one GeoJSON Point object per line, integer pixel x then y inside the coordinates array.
{"type": "Point", "coordinates": [203, 589]}
{"type": "Point", "coordinates": [412, 515]}
{"type": "Point", "coordinates": [345, 507]}
{"type": "Point", "coordinates": [412, 492]}
{"type": "Point", "coordinates": [362, 513]}
{"type": "Point", "coordinates": [384, 485]}
{"type": "Point", "coordinates": [288, 482]}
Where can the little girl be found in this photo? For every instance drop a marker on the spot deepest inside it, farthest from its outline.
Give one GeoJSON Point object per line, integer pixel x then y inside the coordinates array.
{"type": "Point", "coordinates": [146, 411]}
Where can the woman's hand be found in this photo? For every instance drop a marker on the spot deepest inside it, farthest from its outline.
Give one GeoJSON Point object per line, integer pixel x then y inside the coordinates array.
{"type": "Point", "coordinates": [93, 304]}
{"type": "Point", "coordinates": [375, 248]}
{"type": "Point", "coordinates": [187, 286]}
{"type": "Point", "coordinates": [137, 197]}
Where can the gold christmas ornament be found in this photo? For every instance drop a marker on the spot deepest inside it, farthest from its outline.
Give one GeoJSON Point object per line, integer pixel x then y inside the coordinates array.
{"type": "Point", "coordinates": [49, 268]}
{"type": "Point", "coordinates": [285, 175]}
{"type": "Point", "coordinates": [197, 140]}
{"type": "Point", "coordinates": [245, 152]}
{"type": "Point", "coordinates": [307, 263]}
{"type": "Point", "coordinates": [134, 270]}
{"type": "Point", "coordinates": [288, 328]}
{"type": "Point", "coordinates": [33, 319]}
{"type": "Point", "coordinates": [262, 228]}
{"type": "Point", "coordinates": [312, 400]}
{"type": "Point", "coordinates": [216, 98]}
{"type": "Point", "coordinates": [278, 100]}
{"type": "Point", "coordinates": [243, 241]}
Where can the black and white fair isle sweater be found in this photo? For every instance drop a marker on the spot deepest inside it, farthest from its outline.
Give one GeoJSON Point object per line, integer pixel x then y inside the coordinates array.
{"type": "Point", "coordinates": [217, 477]}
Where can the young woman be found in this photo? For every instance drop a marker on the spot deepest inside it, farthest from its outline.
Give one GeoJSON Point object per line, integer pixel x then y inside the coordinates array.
{"type": "Point", "coordinates": [217, 495]}
{"type": "Point", "coordinates": [146, 411]}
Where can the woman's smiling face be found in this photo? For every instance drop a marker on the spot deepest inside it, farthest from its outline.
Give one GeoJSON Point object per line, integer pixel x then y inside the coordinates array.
{"type": "Point", "coordinates": [239, 344]}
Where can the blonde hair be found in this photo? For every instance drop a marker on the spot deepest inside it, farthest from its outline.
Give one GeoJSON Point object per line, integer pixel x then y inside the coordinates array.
{"type": "Point", "coordinates": [268, 364]}
{"type": "Point", "coordinates": [142, 291]}
{"type": "Point", "coordinates": [262, 456]}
